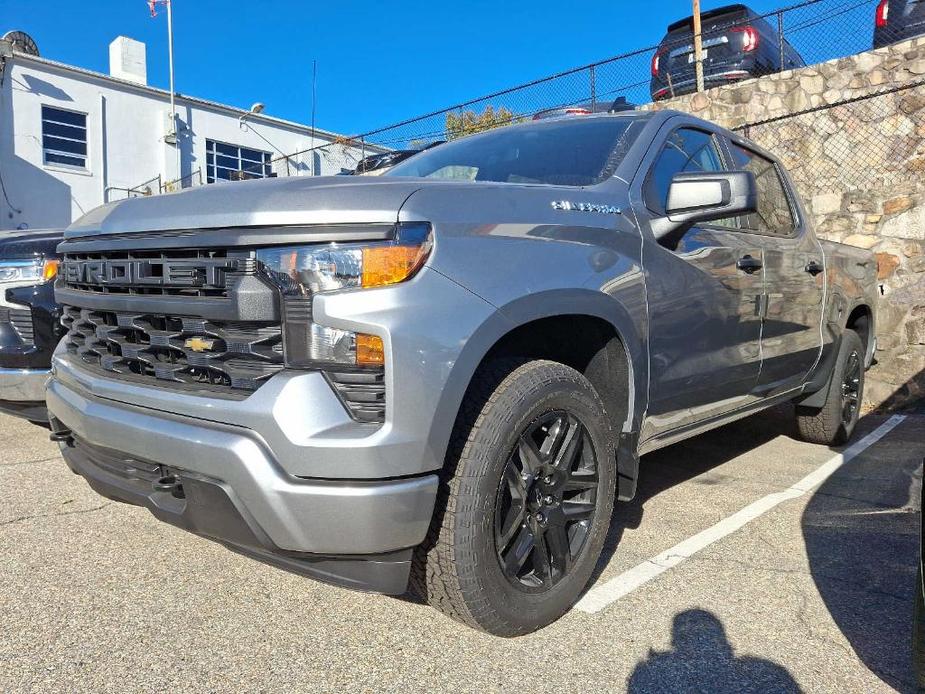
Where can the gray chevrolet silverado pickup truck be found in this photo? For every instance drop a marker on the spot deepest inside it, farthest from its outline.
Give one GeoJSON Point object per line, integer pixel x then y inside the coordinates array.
{"type": "Point", "coordinates": [444, 377]}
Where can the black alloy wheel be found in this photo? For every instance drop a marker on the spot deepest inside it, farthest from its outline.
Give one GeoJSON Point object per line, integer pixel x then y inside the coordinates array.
{"type": "Point", "coordinates": [546, 501]}
{"type": "Point", "coordinates": [525, 500]}
{"type": "Point", "coordinates": [851, 388]}
{"type": "Point", "coordinates": [833, 423]}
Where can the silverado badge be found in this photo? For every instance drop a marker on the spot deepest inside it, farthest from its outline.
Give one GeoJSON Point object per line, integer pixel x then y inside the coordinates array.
{"type": "Point", "coordinates": [568, 206]}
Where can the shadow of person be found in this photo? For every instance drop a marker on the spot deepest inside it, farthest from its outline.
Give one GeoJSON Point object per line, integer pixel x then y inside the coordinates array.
{"type": "Point", "coordinates": [701, 659]}
{"type": "Point", "coordinates": [862, 533]}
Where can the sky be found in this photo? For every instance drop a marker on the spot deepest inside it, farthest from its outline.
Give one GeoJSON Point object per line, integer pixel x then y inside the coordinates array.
{"type": "Point", "coordinates": [377, 62]}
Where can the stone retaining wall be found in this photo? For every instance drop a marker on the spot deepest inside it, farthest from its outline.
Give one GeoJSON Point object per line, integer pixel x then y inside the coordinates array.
{"type": "Point", "coordinates": [852, 134]}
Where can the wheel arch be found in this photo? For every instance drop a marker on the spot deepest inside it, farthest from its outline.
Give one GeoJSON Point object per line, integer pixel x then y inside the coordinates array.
{"type": "Point", "coordinates": [555, 325]}
{"type": "Point", "coordinates": [861, 320]}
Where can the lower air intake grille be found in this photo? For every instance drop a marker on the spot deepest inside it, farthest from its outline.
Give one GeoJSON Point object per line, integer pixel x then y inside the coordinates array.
{"type": "Point", "coordinates": [20, 319]}
{"type": "Point", "coordinates": [185, 353]}
{"type": "Point", "coordinates": [362, 392]}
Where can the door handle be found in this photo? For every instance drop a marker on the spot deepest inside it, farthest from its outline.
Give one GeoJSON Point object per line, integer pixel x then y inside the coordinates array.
{"type": "Point", "coordinates": [748, 264]}
{"type": "Point", "coordinates": [813, 268]}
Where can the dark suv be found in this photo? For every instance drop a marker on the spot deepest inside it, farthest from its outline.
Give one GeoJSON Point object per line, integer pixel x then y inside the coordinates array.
{"type": "Point", "coordinates": [898, 20]}
{"type": "Point", "coordinates": [29, 327]}
{"type": "Point", "coordinates": [737, 44]}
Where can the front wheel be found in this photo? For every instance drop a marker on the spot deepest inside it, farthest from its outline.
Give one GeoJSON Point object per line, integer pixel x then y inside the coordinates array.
{"type": "Point", "coordinates": [918, 634]}
{"type": "Point", "coordinates": [525, 502]}
{"type": "Point", "coordinates": [834, 423]}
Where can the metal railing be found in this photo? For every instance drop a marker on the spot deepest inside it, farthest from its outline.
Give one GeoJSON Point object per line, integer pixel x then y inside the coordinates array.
{"type": "Point", "coordinates": [188, 181]}
{"type": "Point", "coordinates": [149, 187]}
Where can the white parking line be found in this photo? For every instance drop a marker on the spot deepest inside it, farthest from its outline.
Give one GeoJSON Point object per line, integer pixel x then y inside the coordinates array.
{"type": "Point", "coordinates": [602, 595]}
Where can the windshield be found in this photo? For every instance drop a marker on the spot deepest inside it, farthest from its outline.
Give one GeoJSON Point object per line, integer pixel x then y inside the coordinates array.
{"type": "Point", "coordinates": [570, 152]}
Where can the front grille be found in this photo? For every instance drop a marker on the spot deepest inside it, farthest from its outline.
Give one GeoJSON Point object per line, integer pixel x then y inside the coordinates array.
{"type": "Point", "coordinates": [194, 273]}
{"type": "Point", "coordinates": [178, 352]}
{"type": "Point", "coordinates": [20, 319]}
{"type": "Point", "coordinates": [202, 320]}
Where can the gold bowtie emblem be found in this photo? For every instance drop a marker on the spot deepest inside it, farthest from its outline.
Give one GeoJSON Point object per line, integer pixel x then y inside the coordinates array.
{"type": "Point", "coordinates": [198, 344]}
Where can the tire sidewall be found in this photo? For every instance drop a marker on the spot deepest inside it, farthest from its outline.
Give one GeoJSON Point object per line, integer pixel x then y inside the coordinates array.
{"type": "Point", "coordinates": [506, 418]}
{"type": "Point", "coordinates": [850, 343]}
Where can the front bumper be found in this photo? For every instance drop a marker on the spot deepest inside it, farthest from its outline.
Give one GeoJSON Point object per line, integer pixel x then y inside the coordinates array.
{"type": "Point", "coordinates": [354, 533]}
{"type": "Point", "coordinates": [22, 393]}
{"type": "Point", "coordinates": [23, 385]}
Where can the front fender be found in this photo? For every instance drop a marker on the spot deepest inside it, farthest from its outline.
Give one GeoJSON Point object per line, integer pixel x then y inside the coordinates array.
{"type": "Point", "coordinates": [596, 304]}
{"type": "Point", "coordinates": [550, 304]}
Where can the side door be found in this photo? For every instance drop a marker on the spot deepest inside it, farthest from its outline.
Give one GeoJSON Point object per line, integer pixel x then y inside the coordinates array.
{"type": "Point", "coordinates": [703, 295]}
{"type": "Point", "coordinates": [791, 335]}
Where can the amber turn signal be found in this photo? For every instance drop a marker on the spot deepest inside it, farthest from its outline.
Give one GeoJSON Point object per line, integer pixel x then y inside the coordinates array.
{"type": "Point", "coordinates": [50, 269]}
{"type": "Point", "coordinates": [383, 265]}
{"type": "Point", "coordinates": [370, 350]}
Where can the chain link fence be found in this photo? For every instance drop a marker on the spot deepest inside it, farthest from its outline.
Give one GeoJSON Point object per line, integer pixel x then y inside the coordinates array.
{"type": "Point", "coordinates": [801, 34]}
{"type": "Point", "coordinates": [813, 31]}
{"type": "Point", "coordinates": [873, 141]}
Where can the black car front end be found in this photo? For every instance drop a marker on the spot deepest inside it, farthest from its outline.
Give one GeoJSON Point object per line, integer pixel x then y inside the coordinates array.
{"type": "Point", "coordinates": [29, 320]}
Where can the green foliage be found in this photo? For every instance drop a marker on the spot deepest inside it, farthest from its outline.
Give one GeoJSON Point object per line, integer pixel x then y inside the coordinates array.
{"type": "Point", "coordinates": [469, 122]}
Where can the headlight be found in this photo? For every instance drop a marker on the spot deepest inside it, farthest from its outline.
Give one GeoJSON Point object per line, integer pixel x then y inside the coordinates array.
{"type": "Point", "coordinates": [36, 269]}
{"type": "Point", "coordinates": [310, 269]}
{"type": "Point", "coordinates": [303, 271]}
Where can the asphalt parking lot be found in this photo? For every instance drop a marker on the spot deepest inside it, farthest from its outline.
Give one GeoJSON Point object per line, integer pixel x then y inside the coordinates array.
{"type": "Point", "coordinates": [813, 594]}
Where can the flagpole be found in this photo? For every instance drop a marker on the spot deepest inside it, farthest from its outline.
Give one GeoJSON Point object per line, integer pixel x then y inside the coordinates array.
{"type": "Point", "coordinates": [173, 107]}
{"type": "Point", "coordinates": [314, 72]}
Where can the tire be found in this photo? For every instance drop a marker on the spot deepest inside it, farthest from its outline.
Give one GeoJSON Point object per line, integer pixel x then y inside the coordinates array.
{"type": "Point", "coordinates": [918, 633]}
{"type": "Point", "coordinates": [834, 422]}
{"type": "Point", "coordinates": [491, 500]}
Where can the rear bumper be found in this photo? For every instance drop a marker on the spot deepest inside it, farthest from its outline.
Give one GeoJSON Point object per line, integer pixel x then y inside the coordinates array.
{"type": "Point", "coordinates": [688, 85]}
{"type": "Point", "coordinates": [890, 34]}
{"type": "Point", "coordinates": [354, 533]}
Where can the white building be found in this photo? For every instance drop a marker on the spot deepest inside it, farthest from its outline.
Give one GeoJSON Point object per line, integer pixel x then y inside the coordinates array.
{"type": "Point", "coordinates": [72, 139]}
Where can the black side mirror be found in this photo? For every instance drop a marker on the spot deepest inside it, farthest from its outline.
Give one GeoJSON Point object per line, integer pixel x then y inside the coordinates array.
{"type": "Point", "coordinates": [704, 196]}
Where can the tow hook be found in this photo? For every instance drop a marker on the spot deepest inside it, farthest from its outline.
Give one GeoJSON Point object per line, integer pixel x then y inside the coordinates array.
{"type": "Point", "coordinates": [170, 484]}
{"type": "Point", "coordinates": [65, 436]}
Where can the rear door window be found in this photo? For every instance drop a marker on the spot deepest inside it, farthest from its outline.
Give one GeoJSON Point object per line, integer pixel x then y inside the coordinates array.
{"type": "Point", "coordinates": [775, 211]}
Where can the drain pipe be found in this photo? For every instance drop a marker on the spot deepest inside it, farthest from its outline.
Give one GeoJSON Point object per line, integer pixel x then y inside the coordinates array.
{"type": "Point", "coordinates": [104, 151]}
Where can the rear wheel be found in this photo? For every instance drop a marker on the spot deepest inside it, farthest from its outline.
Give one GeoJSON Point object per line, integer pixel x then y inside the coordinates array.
{"type": "Point", "coordinates": [918, 634]}
{"type": "Point", "coordinates": [525, 503]}
{"type": "Point", "coordinates": [834, 422]}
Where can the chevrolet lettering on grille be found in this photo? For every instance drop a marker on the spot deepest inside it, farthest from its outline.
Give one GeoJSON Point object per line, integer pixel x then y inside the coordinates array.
{"type": "Point", "coordinates": [150, 272]}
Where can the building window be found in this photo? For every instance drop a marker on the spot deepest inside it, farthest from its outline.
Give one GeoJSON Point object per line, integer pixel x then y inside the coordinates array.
{"type": "Point", "coordinates": [234, 163]}
{"type": "Point", "coordinates": [64, 138]}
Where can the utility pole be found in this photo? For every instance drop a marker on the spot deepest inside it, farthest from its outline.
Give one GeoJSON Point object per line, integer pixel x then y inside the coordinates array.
{"type": "Point", "coordinates": [698, 47]}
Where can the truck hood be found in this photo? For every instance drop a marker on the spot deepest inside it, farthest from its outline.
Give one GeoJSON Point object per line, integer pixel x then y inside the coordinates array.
{"type": "Point", "coordinates": [29, 243]}
{"type": "Point", "coordinates": [265, 202]}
